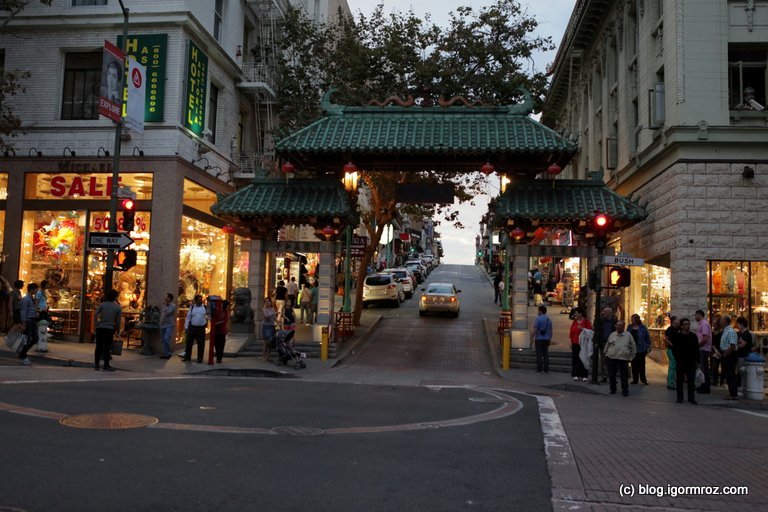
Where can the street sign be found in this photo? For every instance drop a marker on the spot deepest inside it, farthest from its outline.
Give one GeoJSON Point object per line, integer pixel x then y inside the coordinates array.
{"type": "Point", "coordinates": [357, 249]}
{"type": "Point", "coordinates": [109, 240]}
{"type": "Point", "coordinates": [627, 261]}
{"type": "Point", "coordinates": [126, 192]}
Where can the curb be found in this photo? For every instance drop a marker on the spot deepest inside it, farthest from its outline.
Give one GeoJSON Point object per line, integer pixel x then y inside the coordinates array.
{"type": "Point", "coordinates": [348, 351]}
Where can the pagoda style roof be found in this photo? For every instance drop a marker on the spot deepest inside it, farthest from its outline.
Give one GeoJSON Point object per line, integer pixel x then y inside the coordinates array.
{"type": "Point", "coordinates": [564, 202]}
{"type": "Point", "coordinates": [445, 137]}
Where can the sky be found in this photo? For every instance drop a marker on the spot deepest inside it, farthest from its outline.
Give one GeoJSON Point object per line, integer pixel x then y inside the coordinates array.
{"type": "Point", "coordinates": [552, 15]}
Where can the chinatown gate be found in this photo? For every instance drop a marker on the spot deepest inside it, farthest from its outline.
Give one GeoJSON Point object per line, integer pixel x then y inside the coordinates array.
{"type": "Point", "coordinates": [400, 136]}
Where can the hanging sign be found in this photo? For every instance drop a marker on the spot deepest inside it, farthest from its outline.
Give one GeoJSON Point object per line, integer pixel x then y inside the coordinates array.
{"type": "Point", "coordinates": [197, 85]}
{"type": "Point", "coordinates": [112, 73]}
{"type": "Point", "coordinates": [137, 84]}
{"type": "Point", "coordinates": [150, 51]}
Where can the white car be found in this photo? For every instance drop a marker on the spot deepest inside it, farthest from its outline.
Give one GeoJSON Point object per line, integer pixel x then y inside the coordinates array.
{"type": "Point", "coordinates": [405, 279]}
{"type": "Point", "coordinates": [383, 288]}
{"type": "Point", "coordinates": [422, 267]}
{"type": "Point", "coordinates": [440, 298]}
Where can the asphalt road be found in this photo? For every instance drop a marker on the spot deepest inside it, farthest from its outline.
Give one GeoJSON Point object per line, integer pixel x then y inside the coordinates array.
{"type": "Point", "coordinates": [395, 428]}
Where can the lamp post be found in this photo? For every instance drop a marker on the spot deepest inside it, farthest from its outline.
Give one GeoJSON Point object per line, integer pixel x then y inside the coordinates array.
{"type": "Point", "coordinates": [350, 185]}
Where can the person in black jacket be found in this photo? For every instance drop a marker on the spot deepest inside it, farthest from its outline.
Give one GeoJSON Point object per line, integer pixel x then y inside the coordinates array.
{"type": "Point", "coordinates": [686, 352]}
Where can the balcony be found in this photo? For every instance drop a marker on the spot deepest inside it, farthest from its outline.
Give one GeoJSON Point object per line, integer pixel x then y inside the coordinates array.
{"type": "Point", "coordinates": [254, 164]}
{"type": "Point", "coordinates": [259, 79]}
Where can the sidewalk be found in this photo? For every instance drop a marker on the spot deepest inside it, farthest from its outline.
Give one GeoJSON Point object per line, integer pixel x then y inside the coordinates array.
{"type": "Point", "coordinates": [72, 354]}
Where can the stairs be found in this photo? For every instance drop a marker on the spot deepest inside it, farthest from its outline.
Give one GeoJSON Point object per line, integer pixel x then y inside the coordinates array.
{"type": "Point", "coordinates": [311, 348]}
{"type": "Point", "coordinates": [526, 358]}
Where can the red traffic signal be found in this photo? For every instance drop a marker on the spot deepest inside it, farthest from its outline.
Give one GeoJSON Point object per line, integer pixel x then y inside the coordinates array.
{"type": "Point", "coordinates": [601, 222]}
{"type": "Point", "coordinates": [129, 215]}
{"type": "Point", "coordinates": [129, 204]}
{"type": "Point", "coordinates": [619, 277]}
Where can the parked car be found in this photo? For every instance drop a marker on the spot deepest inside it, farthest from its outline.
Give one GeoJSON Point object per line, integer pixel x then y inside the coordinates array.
{"type": "Point", "coordinates": [415, 267]}
{"type": "Point", "coordinates": [405, 280]}
{"type": "Point", "coordinates": [421, 266]}
{"type": "Point", "coordinates": [382, 288]}
{"type": "Point", "coordinates": [440, 298]}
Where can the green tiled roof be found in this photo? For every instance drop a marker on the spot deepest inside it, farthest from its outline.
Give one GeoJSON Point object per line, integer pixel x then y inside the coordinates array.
{"type": "Point", "coordinates": [479, 131]}
{"type": "Point", "coordinates": [278, 199]}
{"type": "Point", "coordinates": [554, 201]}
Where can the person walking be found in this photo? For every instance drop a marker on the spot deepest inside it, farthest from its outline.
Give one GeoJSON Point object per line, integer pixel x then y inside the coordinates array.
{"type": "Point", "coordinates": [167, 322]}
{"type": "Point", "coordinates": [608, 325]}
{"type": "Point", "coordinates": [305, 303]}
{"type": "Point", "coordinates": [17, 294]}
{"type": "Point", "coordinates": [496, 280]}
{"type": "Point", "coordinates": [108, 316]}
{"type": "Point", "coordinates": [580, 322]}
{"type": "Point", "coordinates": [194, 325]}
{"type": "Point", "coordinates": [28, 315]}
{"type": "Point", "coordinates": [293, 290]}
{"type": "Point", "coordinates": [542, 336]}
{"type": "Point", "coordinates": [704, 335]}
{"type": "Point", "coordinates": [669, 338]}
{"type": "Point", "coordinates": [686, 352]}
{"type": "Point", "coordinates": [501, 289]}
{"type": "Point", "coordinates": [268, 314]}
{"type": "Point", "coordinates": [642, 339]}
{"type": "Point", "coordinates": [314, 303]}
{"type": "Point", "coordinates": [717, 378]}
{"type": "Point", "coordinates": [728, 346]}
{"type": "Point", "coordinates": [619, 351]}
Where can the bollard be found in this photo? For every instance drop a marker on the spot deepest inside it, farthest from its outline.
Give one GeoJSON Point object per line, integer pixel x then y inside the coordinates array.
{"type": "Point", "coordinates": [324, 344]}
{"type": "Point", "coordinates": [505, 356]}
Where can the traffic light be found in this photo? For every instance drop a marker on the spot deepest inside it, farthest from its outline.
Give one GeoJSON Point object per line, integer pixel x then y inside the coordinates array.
{"type": "Point", "coordinates": [619, 277]}
{"type": "Point", "coordinates": [129, 214]}
{"type": "Point", "coordinates": [125, 259]}
{"type": "Point", "coordinates": [601, 226]}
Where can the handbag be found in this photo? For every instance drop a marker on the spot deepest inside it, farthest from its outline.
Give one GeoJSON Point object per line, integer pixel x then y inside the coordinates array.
{"type": "Point", "coordinates": [117, 347]}
{"type": "Point", "coordinates": [16, 340]}
{"type": "Point", "coordinates": [699, 377]}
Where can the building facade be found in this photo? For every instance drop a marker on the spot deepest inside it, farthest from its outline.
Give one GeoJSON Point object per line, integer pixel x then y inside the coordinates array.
{"type": "Point", "coordinates": [208, 117]}
{"type": "Point", "coordinates": [669, 96]}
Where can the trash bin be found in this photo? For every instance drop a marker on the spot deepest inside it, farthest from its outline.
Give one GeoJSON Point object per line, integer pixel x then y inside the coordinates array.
{"type": "Point", "coordinates": [754, 370]}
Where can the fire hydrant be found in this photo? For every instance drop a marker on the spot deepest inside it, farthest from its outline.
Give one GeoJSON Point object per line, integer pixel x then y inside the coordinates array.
{"type": "Point", "coordinates": [754, 375]}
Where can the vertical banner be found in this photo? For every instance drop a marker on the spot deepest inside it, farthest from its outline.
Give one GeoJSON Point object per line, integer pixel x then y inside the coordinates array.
{"type": "Point", "coordinates": [137, 84]}
{"type": "Point", "coordinates": [150, 51]}
{"type": "Point", "coordinates": [112, 73]}
{"type": "Point", "coordinates": [197, 86]}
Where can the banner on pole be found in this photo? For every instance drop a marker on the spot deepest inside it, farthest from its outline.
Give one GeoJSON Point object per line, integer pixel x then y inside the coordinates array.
{"type": "Point", "coordinates": [150, 50]}
{"type": "Point", "coordinates": [137, 85]}
{"type": "Point", "coordinates": [112, 73]}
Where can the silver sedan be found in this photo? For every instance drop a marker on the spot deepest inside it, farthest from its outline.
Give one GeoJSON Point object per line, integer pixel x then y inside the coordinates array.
{"type": "Point", "coordinates": [440, 298]}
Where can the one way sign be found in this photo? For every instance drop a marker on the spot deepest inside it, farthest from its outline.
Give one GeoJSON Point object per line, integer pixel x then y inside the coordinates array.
{"type": "Point", "coordinates": [115, 241]}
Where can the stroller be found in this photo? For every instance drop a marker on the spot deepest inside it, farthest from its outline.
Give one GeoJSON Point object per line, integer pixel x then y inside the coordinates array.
{"type": "Point", "coordinates": [286, 352]}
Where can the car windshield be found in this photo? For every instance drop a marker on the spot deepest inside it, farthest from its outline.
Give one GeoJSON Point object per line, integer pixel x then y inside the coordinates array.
{"type": "Point", "coordinates": [444, 288]}
{"type": "Point", "coordinates": [401, 275]}
{"type": "Point", "coordinates": [377, 280]}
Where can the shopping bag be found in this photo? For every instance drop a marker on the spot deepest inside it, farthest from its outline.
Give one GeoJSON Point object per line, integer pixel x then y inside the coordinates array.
{"type": "Point", "coordinates": [117, 347]}
{"type": "Point", "coordinates": [699, 377]}
{"type": "Point", "coordinates": [16, 340]}
{"type": "Point", "coordinates": [42, 336]}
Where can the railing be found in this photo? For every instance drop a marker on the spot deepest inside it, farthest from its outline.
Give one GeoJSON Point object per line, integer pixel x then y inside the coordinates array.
{"type": "Point", "coordinates": [259, 73]}
{"type": "Point", "coordinates": [252, 163]}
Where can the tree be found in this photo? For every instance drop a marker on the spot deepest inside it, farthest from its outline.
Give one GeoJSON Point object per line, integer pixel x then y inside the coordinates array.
{"type": "Point", "coordinates": [481, 55]}
{"type": "Point", "coordinates": [11, 81]}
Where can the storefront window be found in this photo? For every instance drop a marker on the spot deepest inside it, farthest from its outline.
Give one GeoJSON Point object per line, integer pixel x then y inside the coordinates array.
{"type": "Point", "coordinates": [240, 267]}
{"type": "Point", "coordinates": [728, 287]}
{"type": "Point", "coordinates": [55, 252]}
{"type": "Point", "coordinates": [198, 197]}
{"type": "Point", "coordinates": [203, 260]}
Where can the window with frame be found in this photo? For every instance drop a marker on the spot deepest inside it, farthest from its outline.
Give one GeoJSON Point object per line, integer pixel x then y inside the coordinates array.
{"type": "Point", "coordinates": [82, 78]}
{"type": "Point", "coordinates": [747, 86]}
{"type": "Point", "coordinates": [213, 108]}
{"type": "Point", "coordinates": [217, 19]}
{"type": "Point", "coordinates": [83, 3]}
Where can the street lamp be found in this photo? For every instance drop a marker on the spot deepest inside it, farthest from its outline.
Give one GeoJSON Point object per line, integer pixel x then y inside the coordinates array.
{"type": "Point", "coordinates": [504, 182]}
{"type": "Point", "coordinates": [350, 185]}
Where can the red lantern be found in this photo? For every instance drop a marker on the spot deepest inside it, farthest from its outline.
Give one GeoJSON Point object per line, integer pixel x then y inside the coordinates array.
{"type": "Point", "coordinates": [487, 168]}
{"type": "Point", "coordinates": [288, 168]}
{"type": "Point", "coordinates": [350, 168]}
{"type": "Point", "coordinates": [554, 170]}
{"type": "Point", "coordinates": [230, 230]}
{"type": "Point", "coordinates": [517, 233]}
{"type": "Point", "coordinates": [328, 232]}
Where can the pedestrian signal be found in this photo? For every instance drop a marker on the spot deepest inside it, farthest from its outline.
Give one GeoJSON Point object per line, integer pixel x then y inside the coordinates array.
{"type": "Point", "coordinates": [125, 259]}
{"type": "Point", "coordinates": [619, 277]}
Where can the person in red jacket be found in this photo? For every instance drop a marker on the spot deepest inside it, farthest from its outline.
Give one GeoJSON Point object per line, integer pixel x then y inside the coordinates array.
{"type": "Point", "coordinates": [219, 325]}
{"type": "Point", "coordinates": [580, 322]}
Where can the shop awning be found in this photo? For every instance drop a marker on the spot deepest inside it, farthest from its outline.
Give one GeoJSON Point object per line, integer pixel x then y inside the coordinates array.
{"type": "Point", "coordinates": [563, 202]}
{"type": "Point", "coordinates": [299, 201]}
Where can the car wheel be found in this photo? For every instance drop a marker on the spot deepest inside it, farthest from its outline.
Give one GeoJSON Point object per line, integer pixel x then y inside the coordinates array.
{"type": "Point", "coordinates": [456, 315]}
{"type": "Point", "coordinates": [397, 302]}
{"type": "Point", "coordinates": [422, 313]}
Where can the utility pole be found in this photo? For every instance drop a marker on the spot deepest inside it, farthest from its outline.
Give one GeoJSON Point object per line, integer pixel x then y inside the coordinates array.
{"type": "Point", "coordinates": [108, 276]}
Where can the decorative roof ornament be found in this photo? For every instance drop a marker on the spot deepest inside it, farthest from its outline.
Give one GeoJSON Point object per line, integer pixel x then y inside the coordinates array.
{"type": "Point", "coordinates": [329, 108]}
{"type": "Point", "coordinates": [458, 99]}
{"type": "Point", "coordinates": [526, 106]}
{"type": "Point", "coordinates": [394, 100]}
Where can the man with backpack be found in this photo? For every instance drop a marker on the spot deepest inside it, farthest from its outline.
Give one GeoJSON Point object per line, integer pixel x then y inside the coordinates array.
{"type": "Point", "coordinates": [542, 336]}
